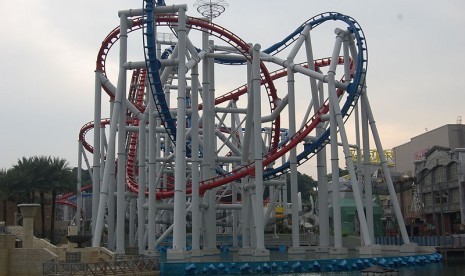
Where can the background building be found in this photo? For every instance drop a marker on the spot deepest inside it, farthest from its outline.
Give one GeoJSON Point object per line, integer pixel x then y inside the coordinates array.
{"type": "Point", "coordinates": [440, 178]}
{"type": "Point", "coordinates": [448, 136]}
{"type": "Point", "coordinates": [435, 159]}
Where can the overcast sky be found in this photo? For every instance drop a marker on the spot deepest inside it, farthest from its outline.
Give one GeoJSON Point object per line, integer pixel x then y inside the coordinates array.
{"type": "Point", "coordinates": [48, 51]}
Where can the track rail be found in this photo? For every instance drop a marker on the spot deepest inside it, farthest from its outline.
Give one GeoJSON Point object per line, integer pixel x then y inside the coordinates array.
{"type": "Point", "coordinates": [277, 149]}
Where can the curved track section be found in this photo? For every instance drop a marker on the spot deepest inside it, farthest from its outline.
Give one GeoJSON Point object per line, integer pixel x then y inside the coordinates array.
{"type": "Point", "coordinates": [153, 66]}
{"type": "Point", "coordinates": [354, 87]}
{"type": "Point", "coordinates": [277, 149]}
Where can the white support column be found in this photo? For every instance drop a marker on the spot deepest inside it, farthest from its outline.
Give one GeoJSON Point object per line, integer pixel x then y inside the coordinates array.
{"type": "Point", "coordinates": [333, 112]}
{"type": "Point", "coordinates": [408, 246]}
{"type": "Point", "coordinates": [132, 221]}
{"type": "Point", "coordinates": [78, 187]}
{"type": "Point", "coordinates": [235, 128]}
{"type": "Point", "coordinates": [209, 164]}
{"type": "Point", "coordinates": [152, 141]}
{"type": "Point", "coordinates": [323, 212]}
{"type": "Point", "coordinates": [246, 202]}
{"type": "Point", "coordinates": [121, 166]}
{"type": "Point", "coordinates": [245, 215]}
{"type": "Point", "coordinates": [96, 153]}
{"type": "Point", "coordinates": [293, 161]}
{"type": "Point", "coordinates": [111, 212]}
{"type": "Point", "coordinates": [258, 156]}
{"type": "Point", "coordinates": [195, 209]}
{"type": "Point", "coordinates": [110, 158]}
{"type": "Point", "coordinates": [337, 249]}
{"type": "Point", "coordinates": [235, 219]}
{"type": "Point", "coordinates": [367, 169]}
{"type": "Point", "coordinates": [345, 144]}
{"type": "Point", "coordinates": [141, 181]}
{"type": "Point", "coordinates": [179, 229]}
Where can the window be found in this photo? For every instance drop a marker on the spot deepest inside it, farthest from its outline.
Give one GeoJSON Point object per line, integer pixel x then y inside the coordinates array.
{"type": "Point", "coordinates": [441, 197]}
{"type": "Point", "coordinates": [437, 198]}
{"type": "Point", "coordinates": [428, 200]}
{"type": "Point", "coordinates": [445, 197]}
{"type": "Point", "coordinates": [452, 172]}
{"type": "Point", "coordinates": [439, 175]}
{"type": "Point", "coordinates": [454, 196]}
{"type": "Point", "coordinates": [426, 176]}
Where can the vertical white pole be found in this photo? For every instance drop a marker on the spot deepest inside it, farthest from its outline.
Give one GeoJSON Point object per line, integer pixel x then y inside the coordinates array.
{"type": "Point", "coordinates": [345, 143]}
{"type": "Point", "coordinates": [132, 221]}
{"type": "Point", "coordinates": [293, 155]}
{"type": "Point", "coordinates": [121, 166]}
{"type": "Point", "coordinates": [367, 170]}
{"type": "Point", "coordinates": [258, 154]}
{"type": "Point", "coordinates": [142, 146]}
{"type": "Point", "coordinates": [320, 156]}
{"type": "Point", "coordinates": [334, 144]}
{"type": "Point", "coordinates": [245, 214]}
{"type": "Point", "coordinates": [209, 149]}
{"type": "Point", "coordinates": [387, 174]}
{"type": "Point", "coordinates": [152, 176]}
{"type": "Point", "coordinates": [78, 188]}
{"type": "Point", "coordinates": [179, 231]}
{"type": "Point", "coordinates": [235, 213]}
{"type": "Point", "coordinates": [96, 153]}
{"type": "Point", "coordinates": [109, 168]}
{"type": "Point", "coordinates": [334, 165]}
{"type": "Point", "coordinates": [246, 234]}
{"type": "Point", "coordinates": [196, 225]}
{"type": "Point", "coordinates": [111, 212]}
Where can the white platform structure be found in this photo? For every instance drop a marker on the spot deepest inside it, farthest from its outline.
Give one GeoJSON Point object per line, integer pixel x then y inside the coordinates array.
{"type": "Point", "coordinates": [182, 151]}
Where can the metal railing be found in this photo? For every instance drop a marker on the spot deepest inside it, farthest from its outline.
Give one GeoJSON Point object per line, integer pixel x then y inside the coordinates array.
{"type": "Point", "coordinates": [454, 240]}
{"type": "Point", "coordinates": [133, 265]}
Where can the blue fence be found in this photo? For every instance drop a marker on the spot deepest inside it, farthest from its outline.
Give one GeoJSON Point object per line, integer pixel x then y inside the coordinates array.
{"type": "Point", "coordinates": [455, 240]}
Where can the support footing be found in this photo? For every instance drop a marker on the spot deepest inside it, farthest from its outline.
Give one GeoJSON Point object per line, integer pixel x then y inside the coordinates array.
{"type": "Point", "coordinates": [246, 251]}
{"type": "Point", "coordinates": [210, 251]}
{"type": "Point", "coordinates": [261, 252]}
{"type": "Point", "coordinates": [296, 250]}
{"type": "Point", "coordinates": [322, 249]}
{"type": "Point", "coordinates": [177, 254]}
{"type": "Point", "coordinates": [370, 250]}
{"type": "Point", "coordinates": [338, 251]}
{"type": "Point", "coordinates": [197, 253]}
{"type": "Point", "coordinates": [409, 248]}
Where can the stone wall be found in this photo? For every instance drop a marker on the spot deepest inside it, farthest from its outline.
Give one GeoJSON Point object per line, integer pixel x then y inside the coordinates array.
{"type": "Point", "coordinates": [28, 261]}
{"type": "Point", "coordinates": [7, 242]}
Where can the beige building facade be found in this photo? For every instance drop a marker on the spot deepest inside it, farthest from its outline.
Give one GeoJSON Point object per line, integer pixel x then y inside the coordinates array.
{"type": "Point", "coordinates": [435, 159]}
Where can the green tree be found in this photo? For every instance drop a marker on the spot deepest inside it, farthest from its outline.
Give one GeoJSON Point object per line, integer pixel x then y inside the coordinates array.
{"type": "Point", "coordinates": [23, 180]}
{"type": "Point", "coordinates": [43, 174]}
{"type": "Point", "coordinates": [7, 192]}
{"type": "Point", "coordinates": [31, 176]}
{"type": "Point", "coordinates": [305, 184]}
{"type": "Point", "coordinates": [41, 165]}
{"type": "Point", "coordinates": [61, 180]}
{"type": "Point", "coordinates": [342, 172]}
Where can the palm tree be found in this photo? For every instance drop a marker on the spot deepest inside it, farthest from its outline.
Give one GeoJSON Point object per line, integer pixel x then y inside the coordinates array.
{"type": "Point", "coordinates": [11, 189]}
{"type": "Point", "coordinates": [44, 175]}
{"type": "Point", "coordinates": [41, 167]}
{"type": "Point", "coordinates": [5, 188]}
{"type": "Point", "coordinates": [24, 179]}
{"type": "Point", "coordinates": [61, 179]}
{"type": "Point", "coordinates": [30, 177]}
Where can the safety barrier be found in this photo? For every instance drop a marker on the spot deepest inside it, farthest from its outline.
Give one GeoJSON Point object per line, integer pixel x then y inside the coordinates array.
{"type": "Point", "coordinates": [135, 265]}
{"type": "Point", "coordinates": [301, 266]}
{"type": "Point", "coordinates": [454, 240]}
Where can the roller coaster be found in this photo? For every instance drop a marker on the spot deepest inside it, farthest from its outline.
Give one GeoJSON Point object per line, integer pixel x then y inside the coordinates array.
{"type": "Point", "coordinates": [179, 147]}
